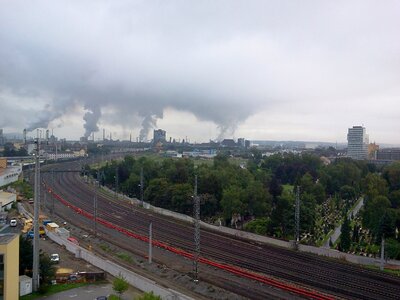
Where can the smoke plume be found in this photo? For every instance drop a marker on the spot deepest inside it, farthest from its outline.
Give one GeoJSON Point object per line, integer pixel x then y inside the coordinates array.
{"type": "Point", "coordinates": [91, 118]}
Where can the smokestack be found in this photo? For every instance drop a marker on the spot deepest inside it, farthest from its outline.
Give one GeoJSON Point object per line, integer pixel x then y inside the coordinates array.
{"type": "Point", "coordinates": [110, 137]}
{"type": "Point", "coordinates": [130, 138]}
{"type": "Point", "coordinates": [24, 135]}
{"type": "Point", "coordinates": [47, 135]}
{"type": "Point", "coordinates": [104, 134]}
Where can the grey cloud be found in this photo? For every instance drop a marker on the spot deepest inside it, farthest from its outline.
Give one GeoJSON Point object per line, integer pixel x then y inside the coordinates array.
{"type": "Point", "coordinates": [223, 61]}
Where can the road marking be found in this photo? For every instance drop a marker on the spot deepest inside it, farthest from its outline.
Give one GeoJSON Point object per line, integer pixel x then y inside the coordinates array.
{"type": "Point", "coordinates": [73, 296]}
{"type": "Point", "coordinates": [89, 291]}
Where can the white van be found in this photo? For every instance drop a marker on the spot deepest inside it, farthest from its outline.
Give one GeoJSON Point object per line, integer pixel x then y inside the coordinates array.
{"type": "Point", "coordinates": [13, 222]}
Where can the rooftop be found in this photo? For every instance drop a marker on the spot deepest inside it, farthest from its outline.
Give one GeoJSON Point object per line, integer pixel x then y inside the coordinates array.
{"type": "Point", "coordinates": [9, 170]}
{"type": "Point", "coordinates": [5, 238]}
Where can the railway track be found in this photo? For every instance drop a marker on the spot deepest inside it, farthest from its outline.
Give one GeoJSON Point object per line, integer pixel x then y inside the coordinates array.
{"type": "Point", "coordinates": [343, 280]}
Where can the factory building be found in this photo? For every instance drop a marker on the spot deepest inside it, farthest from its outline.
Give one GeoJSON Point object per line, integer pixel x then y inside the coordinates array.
{"type": "Point", "coordinates": [159, 136]}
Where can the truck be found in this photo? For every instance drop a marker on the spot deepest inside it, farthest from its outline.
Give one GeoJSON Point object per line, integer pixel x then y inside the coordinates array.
{"type": "Point", "coordinates": [30, 233]}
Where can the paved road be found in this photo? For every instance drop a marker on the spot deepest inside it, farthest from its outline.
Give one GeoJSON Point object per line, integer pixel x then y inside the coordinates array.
{"type": "Point", "coordinates": [336, 234]}
{"type": "Point", "coordinates": [89, 292]}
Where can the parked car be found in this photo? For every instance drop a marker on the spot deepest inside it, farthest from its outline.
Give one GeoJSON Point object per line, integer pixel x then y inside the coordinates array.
{"type": "Point", "coordinates": [55, 258]}
{"type": "Point", "coordinates": [13, 222]}
{"type": "Point", "coordinates": [101, 298]}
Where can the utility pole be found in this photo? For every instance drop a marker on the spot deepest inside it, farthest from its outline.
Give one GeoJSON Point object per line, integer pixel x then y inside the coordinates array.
{"type": "Point", "coordinates": [141, 186]}
{"type": "Point", "coordinates": [35, 266]}
{"type": "Point", "coordinates": [382, 253]}
{"type": "Point", "coordinates": [297, 216]}
{"type": "Point", "coordinates": [52, 197]}
{"type": "Point", "coordinates": [44, 204]}
{"type": "Point", "coordinates": [196, 210]}
{"type": "Point", "coordinates": [116, 182]}
{"type": "Point", "coordinates": [150, 242]}
{"type": "Point", "coordinates": [95, 204]}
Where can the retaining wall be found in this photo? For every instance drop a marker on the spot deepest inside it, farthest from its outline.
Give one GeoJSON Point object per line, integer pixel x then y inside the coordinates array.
{"type": "Point", "coordinates": [357, 259]}
{"type": "Point", "coordinates": [136, 280]}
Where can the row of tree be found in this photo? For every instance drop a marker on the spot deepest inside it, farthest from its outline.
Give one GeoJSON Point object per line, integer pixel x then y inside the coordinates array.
{"type": "Point", "coordinates": [264, 189]}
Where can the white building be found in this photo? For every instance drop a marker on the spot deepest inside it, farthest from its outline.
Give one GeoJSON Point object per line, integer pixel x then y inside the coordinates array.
{"type": "Point", "coordinates": [357, 139]}
{"type": "Point", "coordinates": [59, 155]}
{"type": "Point", "coordinates": [9, 175]}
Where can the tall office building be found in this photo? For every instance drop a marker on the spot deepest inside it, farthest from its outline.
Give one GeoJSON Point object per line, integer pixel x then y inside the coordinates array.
{"type": "Point", "coordinates": [357, 139]}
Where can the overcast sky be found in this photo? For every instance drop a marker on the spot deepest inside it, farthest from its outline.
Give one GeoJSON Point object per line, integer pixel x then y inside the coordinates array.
{"type": "Point", "coordinates": [273, 70]}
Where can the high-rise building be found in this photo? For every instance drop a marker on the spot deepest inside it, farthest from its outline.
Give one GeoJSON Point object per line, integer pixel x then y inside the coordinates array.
{"type": "Point", "coordinates": [357, 143]}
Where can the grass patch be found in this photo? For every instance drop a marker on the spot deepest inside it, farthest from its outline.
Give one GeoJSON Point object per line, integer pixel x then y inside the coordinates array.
{"type": "Point", "coordinates": [23, 188]}
{"type": "Point", "coordinates": [124, 256]}
{"type": "Point", "coordinates": [390, 271]}
{"type": "Point", "coordinates": [53, 289]}
{"type": "Point", "coordinates": [105, 247]}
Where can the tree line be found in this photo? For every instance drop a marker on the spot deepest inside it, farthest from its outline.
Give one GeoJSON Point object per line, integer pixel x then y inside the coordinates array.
{"type": "Point", "coordinates": [261, 194]}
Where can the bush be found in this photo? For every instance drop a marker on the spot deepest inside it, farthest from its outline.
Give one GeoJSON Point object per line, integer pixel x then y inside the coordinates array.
{"type": "Point", "coordinates": [392, 249]}
{"type": "Point", "coordinates": [120, 285]}
{"type": "Point", "coordinates": [258, 226]}
{"type": "Point", "coordinates": [43, 288]}
{"type": "Point", "coordinates": [148, 296]}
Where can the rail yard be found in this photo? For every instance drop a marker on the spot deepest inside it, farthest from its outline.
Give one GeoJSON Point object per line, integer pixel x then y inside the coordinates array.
{"type": "Point", "coordinates": [258, 266]}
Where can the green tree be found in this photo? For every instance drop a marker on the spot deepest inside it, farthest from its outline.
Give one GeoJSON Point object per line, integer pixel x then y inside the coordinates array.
{"type": "Point", "coordinates": [394, 198]}
{"type": "Point", "coordinates": [158, 192]}
{"type": "Point", "coordinates": [307, 183]}
{"type": "Point", "coordinates": [392, 248]}
{"type": "Point", "coordinates": [25, 256]}
{"type": "Point", "coordinates": [373, 211]}
{"type": "Point", "coordinates": [308, 212]}
{"type": "Point", "coordinates": [221, 160]}
{"type": "Point", "coordinates": [387, 225]}
{"type": "Point", "coordinates": [392, 174]}
{"type": "Point", "coordinates": [231, 202]}
{"type": "Point", "coordinates": [374, 185]}
{"type": "Point", "coordinates": [148, 296]}
{"type": "Point", "coordinates": [319, 193]}
{"type": "Point", "coordinates": [46, 269]}
{"type": "Point", "coordinates": [345, 239]}
{"type": "Point", "coordinates": [120, 285]}
{"type": "Point", "coordinates": [258, 200]}
{"type": "Point", "coordinates": [181, 197]}
{"type": "Point", "coordinates": [347, 193]}
{"type": "Point", "coordinates": [282, 216]}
